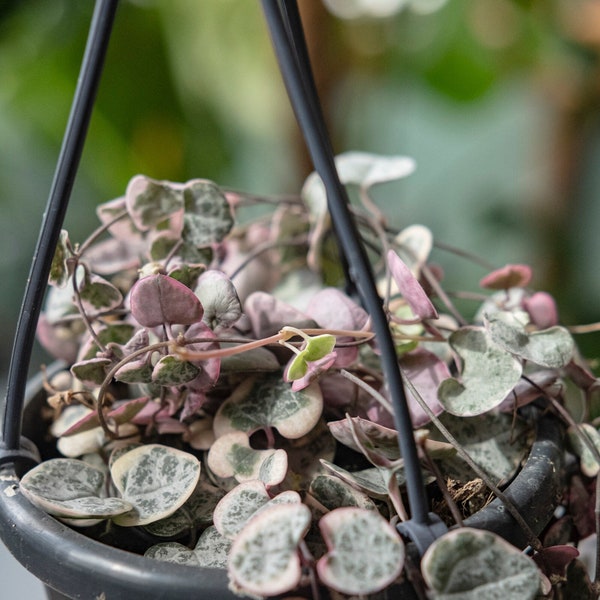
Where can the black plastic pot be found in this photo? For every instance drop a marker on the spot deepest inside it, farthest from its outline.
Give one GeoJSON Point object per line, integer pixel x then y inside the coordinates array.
{"type": "Point", "coordinates": [72, 565]}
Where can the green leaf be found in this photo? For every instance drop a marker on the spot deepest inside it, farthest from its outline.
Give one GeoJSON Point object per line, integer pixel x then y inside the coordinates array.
{"type": "Point", "coordinates": [238, 505]}
{"type": "Point", "coordinates": [173, 552]}
{"type": "Point", "coordinates": [271, 403]}
{"type": "Point", "coordinates": [172, 371]}
{"type": "Point", "coordinates": [365, 555]}
{"type": "Point", "coordinates": [196, 512]}
{"type": "Point", "coordinates": [264, 558]}
{"type": "Point", "coordinates": [207, 218]}
{"type": "Point", "coordinates": [156, 480]}
{"type": "Point", "coordinates": [231, 456]}
{"type": "Point", "coordinates": [70, 488]}
{"type": "Point", "coordinates": [59, 269]}
{"type": "Point", "coordinates": [149, 201]}
{"type": "Point", "coordinates": [489, 373]}
{"type": "Point", "coordinates": [212, 549]}
{"type": "Point", "coordinates": [493, 440]}
{"type": "Point", "coordinates": [245, 501]}
{"type": "Point", "coordinates": [552, 347]}
{"type": "Point", "coordinates": [469, 564]}
{"type": "Point", "coordinates": [333, 493]}
{"type": "Point", "coordinates": [318, 347]}
{"type": "Point", "coordinates": [97, 294]}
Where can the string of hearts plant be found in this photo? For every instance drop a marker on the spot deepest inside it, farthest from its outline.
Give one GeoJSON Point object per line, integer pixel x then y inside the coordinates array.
{"type": "Point", "coordinates": [225, 398]}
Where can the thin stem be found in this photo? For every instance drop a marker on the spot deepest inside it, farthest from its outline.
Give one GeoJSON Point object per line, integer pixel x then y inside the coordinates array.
{"type": "Point", "coordinates": [98, 232]}
{"type": "Point", "coordinates": [83, 313]}
{"type": "Point", "coordinates": [367, 388]}
{"type": "Point", "coordinates": [431, 464]}
{"type": "Point", "coordinates": [590, 328]}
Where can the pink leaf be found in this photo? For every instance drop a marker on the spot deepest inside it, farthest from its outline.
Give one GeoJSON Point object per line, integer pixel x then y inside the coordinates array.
{"type": "Point", "coordinates": [507, 277]}
{"type": "Point", "coordinates": [410, 288]}
{"type": "Point", "coordinates": [542, 309]}
{"type": "Point", "coordinates": [554, 560]}
{"type": "Point", "coordinates": [425, 371]}
{"type": "Point", "coordinates": [160, 299]}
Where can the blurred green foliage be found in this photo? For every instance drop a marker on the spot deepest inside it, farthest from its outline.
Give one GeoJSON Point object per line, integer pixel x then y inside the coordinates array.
{"type": "Point", "coordinates": [479, 92]}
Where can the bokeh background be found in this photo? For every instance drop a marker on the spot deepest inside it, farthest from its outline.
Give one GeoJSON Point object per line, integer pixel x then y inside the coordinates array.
{"type": "Point", "coordinates": [497, 100]}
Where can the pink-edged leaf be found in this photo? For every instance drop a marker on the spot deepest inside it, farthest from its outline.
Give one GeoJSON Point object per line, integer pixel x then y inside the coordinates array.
{"type": "Point", "coordinates": [332, 309]}
{"type": "Point", "coordinates": [410, 288]}
{"type": "Point", "coordinates": [425, 371]}
{"type": "Point", "coordinates": [219, 298]}
{"type": "Point", "coordinates": [61, 341]}
{"type": "Point", "coordinates": [528, 390]}
{"type": "Point", "coordinates": [268, 315]}
{"type": "Point", "coordinates": [507, 277]}
{"type": "Point", "coordinates": [124, 412]}
{"type": "Point", "coordinates": [159, 299]}
{"type": "Point", "coordinates": [554, 560]}
{"type": "Point", "coordinates": [149, 201]}
{"type": "Point", "coordinates": [98, 294]}
{"type": "Point", "coordinates": [115, 255]}
{"type": "Point", "coordinates": [542, 310]}
{"type": "Point", "coordinates": [365, 553]}
{"type": "Point", "coordinates": [88, 422]}
{"type": "Point", "coordinates": [91, 371]}
{"type": "Point", "coordinates": [123, 228]}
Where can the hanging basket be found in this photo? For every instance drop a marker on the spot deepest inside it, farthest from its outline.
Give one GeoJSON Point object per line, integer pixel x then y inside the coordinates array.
{"type": "Point", "coordinates": [73, 565]}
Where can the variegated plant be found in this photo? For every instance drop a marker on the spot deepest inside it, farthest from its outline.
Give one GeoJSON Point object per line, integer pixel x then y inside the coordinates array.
{"type": "Point", "coordinates": [226, 396]}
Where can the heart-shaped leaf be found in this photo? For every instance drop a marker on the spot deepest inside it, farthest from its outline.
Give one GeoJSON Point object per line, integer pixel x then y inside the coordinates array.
{"type": "Point", "coordinates": [86, 442]}
{"type": "Point", "coordinates": [271, 403]}
{"type": "Point", "coordinates": [470, 564]}
{"type": "Point", "coordinates": [149, 201]}
{"type": "Point", "coordinates": [552, 347]}
{"type": "Point", "coordinates": [489, 373]}
{"type": "Point", "coordinates": [219, 298]}
{"type": "Point", "coordinates": [211, 551]}
{"type": "Point", "coordinates": [159, 299]}
{"type": "Point", "coordinates": [333, 493]}
{"type": "Point", "coordinates": [243, 502]}
{"type": "Point", "coordinates": [97, 294]}
{"type": "Point", "coordinates": [238, 505]}
{"type": "Point", "coordinates": [410, 288]}
{"type": "Point", "coordinates": [495, 441]}
{"type": "Point", "coordinates": [232, 456]}
{"type": "Point", "coordinates": [425, 371]}
{"type": "Point", "coordinates": [268, 315]}
{"type": "Point", "coordinates": [264, 558]}
{"type": "Point", "coordinates": [196, 512]}
{"type": "Point", "coordinates": [365, 554]}
{"type": "Point", "coordinates": [173, 552]}
{"type": "Point", "coordinates": [207, 218]}
{"type": "Point", "coordinates": [172, 371]}
{"type": "Point", "coordinates": [70, 488]}
{"type": "Point", "coordinates": [332, 309]}
{"type": "Point", "coordinates": [156, 480]}
{"type": "Point", "coordinates": [362, 435]}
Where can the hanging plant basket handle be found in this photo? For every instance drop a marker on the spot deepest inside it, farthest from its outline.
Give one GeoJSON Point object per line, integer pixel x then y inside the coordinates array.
{"type": "Point", "coordinates": [11, 449]}
{"type": "Point", "coordinates": [288, 39]}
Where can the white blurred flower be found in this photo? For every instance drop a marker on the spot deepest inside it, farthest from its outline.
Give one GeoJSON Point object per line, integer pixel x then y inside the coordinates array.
{"type": "Point", "coordinates": [379, 9]}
